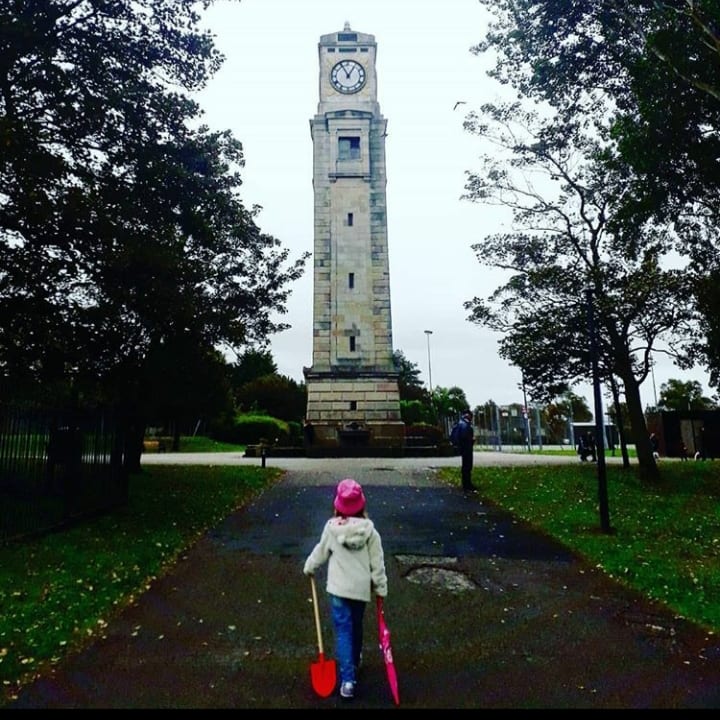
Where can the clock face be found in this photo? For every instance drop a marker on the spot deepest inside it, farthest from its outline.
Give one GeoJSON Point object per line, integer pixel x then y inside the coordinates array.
{"type": "Point", "coordinates": [348, 76]}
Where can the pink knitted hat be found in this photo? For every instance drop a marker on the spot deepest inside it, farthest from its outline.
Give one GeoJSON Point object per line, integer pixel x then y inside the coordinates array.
{"type": "Point", "coordinates": [349, 498]}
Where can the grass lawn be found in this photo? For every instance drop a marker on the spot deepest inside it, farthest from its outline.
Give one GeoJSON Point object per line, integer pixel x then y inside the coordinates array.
{"type": "Point", "coordinates": [60, 589]}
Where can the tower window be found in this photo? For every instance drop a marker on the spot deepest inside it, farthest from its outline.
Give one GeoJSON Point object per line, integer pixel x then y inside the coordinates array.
{"type": "Point", "coordinates": [353, 404]}
{"type": "Point", "coordinates": [350, 219]}
{"type": "Point", "coordinates": [352, 37]}
{"type": "Point", "coordinates": [351, 280]}
{"type": "Point", "coordinates": [352, 343]}
{"type": "Point", "coordinates": [349, 148]}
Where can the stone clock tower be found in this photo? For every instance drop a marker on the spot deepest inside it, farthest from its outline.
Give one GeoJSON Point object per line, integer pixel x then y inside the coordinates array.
{"type": "Point", "coordinates": [353, 397]}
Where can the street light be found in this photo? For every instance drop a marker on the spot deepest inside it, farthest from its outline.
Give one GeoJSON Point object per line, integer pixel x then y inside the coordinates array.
{"type": "Point", "coordinates": [652, 373]}
{"type": "Point", "coordinates": [429, 333]}
{"type": "Point", "coordinates": [599, 439]}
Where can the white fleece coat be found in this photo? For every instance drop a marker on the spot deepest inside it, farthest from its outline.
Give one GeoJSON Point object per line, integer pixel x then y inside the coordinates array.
{"type": "Point", "coordinates": [356, 564]}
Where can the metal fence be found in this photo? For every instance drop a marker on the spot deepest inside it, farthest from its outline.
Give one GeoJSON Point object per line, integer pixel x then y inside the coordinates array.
{"type": "Point", "coordinates": [57, 467]}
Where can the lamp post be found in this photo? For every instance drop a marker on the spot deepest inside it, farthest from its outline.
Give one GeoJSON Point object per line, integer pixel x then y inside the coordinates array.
{"type": "Point", "coordinates": [599, 440]}
{"type": "Point", "coordinates": [429, 333]}
{"type": "Point", "coordinates": [652, 373]}
{"type": "Point", "coordinates": [526, 416]}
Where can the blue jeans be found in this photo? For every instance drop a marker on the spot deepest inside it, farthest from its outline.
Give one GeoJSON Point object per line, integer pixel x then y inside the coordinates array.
{"type": "Point", "coordinates": [347, 616]}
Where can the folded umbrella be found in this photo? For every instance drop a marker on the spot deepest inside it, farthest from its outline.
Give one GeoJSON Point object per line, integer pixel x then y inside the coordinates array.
{"type": "Point", "coordinates": [386, 649]}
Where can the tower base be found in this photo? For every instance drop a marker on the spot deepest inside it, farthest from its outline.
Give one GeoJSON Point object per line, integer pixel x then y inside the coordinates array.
{"type": "Point", "coordinates": [354, 411]}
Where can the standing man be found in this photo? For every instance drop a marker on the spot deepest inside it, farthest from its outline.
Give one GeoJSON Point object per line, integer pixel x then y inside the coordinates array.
{"type": "Point", "coordinates": [466, 440]}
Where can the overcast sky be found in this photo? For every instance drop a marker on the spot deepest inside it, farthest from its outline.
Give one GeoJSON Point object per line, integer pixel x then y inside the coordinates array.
{"type": "Point", "coordinates": [267, 92]}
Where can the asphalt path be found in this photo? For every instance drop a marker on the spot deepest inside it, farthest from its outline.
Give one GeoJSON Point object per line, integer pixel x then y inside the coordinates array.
{"type": "Point", "coordinates": [480, 457]}
{"type": "Point", "coordinates": [484, 611]}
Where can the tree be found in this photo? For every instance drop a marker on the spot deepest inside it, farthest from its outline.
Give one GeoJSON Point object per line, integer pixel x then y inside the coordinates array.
{"type": "Point", "coordinates": [563, 256]}
{"type": "Point", "coordinates": [414, 412]}
{"type": "Point", "coordinates": [415, 402]}
{"type": "Point", "coordinates": [449, 402]}
{"type": "Point", "coordinates": [679, 395]}
{"type": "Point", "coordinates": [252, 364]}
{"type": "Point", "coordinates": [185, 385]}
{"type": "Point", "coordinates": [409, 383]}
{"type": "Point", "coordinates": [565, 409]}
{"type": "Point", "coordinates": [275, 395]}
{"type": "Point", "coordinates": [121, 227]}
{"type": "Point", "coordinates": [652, 63]}
{"type": "Point", "coordinates": [650, 67]}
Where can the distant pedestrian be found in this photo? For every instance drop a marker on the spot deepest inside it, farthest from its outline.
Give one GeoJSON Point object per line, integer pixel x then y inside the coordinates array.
{"type": "Point", "coordinates": [655, 446]}
{"type": "Point", "coordinates": [591, 446]}
{"type": "Point", "coordinates": [701, 452]}
{"type": "Point", "coordinates": [465, 443]}
{"type": "Point", "coordinates": [352, 547]}
{"type": "Point", "coordinates": [582, 450]}
{"type": "Point", "coordinates": [586, 447]}
{"type": "Point", "coordinates": [683, 451]}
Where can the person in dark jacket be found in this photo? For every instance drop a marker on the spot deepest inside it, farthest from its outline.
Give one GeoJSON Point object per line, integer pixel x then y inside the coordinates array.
{"type": "Point", "coordinates": [683, 450]}
{"type": "Point", "coordinates": [655, 445]}
{"type": "Point", "coordinates": [466, 441]}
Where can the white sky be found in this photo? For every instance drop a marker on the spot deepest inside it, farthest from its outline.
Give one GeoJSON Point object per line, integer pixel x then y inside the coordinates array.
{"type": "Point", "coordinates": [267, 92]}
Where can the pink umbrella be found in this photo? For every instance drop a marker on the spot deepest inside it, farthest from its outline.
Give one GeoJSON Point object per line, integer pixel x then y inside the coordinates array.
{"type": "Point", "coordinates": [386, 649]}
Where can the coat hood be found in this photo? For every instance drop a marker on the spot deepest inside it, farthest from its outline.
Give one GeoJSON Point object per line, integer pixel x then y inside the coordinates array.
{"type": "Point", "coordinates": [351, 532]}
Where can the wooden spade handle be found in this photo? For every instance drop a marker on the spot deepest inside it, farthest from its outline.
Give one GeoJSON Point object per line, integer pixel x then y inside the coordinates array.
{"type": "Point", "coordinates": [317, 615]}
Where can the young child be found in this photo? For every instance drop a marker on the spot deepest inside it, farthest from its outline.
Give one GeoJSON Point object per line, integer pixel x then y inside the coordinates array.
{"type": "Point", "coordinates": [352, 547]}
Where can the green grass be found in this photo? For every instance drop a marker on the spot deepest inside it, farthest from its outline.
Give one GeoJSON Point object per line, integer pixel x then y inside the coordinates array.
{"type": "Point", "coordinates": [59, 591]}
{"type": "Point", "coordinates": [556, 450]}
{"type": "Point", "coordinates": [206, 444]}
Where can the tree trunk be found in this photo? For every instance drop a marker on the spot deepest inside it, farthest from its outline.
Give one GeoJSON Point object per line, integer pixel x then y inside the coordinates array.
{"type": "Point", "coordinates": [648, 469]}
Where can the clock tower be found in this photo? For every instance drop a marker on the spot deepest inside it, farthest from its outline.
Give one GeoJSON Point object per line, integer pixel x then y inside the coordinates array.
{"type": "Point", "coordinates": [353, 396]}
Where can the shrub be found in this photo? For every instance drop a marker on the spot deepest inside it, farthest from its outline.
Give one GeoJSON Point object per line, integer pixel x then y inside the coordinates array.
{"type": "Point", "coordinates": [256, 430]}
{"type": "Point", "coordinates": [423, 434]}
{"type": "Point", "coordinates": [295, 430]}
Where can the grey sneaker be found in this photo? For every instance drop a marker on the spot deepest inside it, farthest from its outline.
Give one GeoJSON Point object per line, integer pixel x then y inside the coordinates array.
{"type": "Point", "coordinates": [347, 690]}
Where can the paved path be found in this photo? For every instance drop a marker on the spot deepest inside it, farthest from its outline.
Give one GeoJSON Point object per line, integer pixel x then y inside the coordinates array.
{"type": "Point", "coordinates": [484, 613]}
{"type": "Point", "coordinates": [407, 463]}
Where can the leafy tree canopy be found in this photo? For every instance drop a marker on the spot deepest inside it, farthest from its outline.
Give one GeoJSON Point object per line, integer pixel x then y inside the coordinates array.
{"type": "Point", "coordinates": [409, 383]}
{"type": "Point", "coordinates": [252, 364]}
{"type": "Point", "coordinates": [648, 71]}
{"type": "Point", "coordinates": [275, 395]}
{"type": "Point", "coordinates": [679, 395]}
{"type": "Point", "coordinates": [626, 99]}
{"type": "Point", "coordinates": [121, 227]}
{"type": "Point", "coordinates": [449, 402]}
{"type": "Point", "coordinates": [564, 260]}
